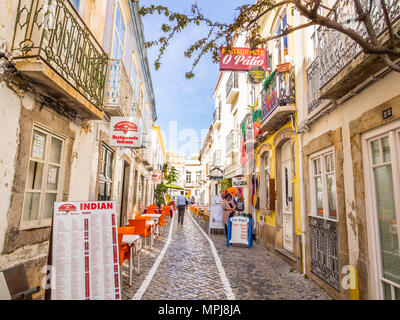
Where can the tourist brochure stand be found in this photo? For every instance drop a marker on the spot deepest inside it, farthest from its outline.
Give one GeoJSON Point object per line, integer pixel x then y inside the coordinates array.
{"type": "Point", "coordinates": [85, 251]}
{"type": "Point", "coordinates": [239, 231]}
{"type": "Point", "coordinates": [215, 221]}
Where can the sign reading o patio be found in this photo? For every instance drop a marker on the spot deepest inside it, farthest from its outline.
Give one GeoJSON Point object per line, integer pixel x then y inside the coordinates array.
{"type": "Point", "coordinates": [242, 59]}
{"type": "Point", "coordinates": [125, 132]}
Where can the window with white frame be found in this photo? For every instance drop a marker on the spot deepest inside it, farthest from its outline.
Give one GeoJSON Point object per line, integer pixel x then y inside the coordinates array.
{"type": "Point", "coordinates": [198, 176]}
{"type": "Point", "coordinates": [105, 174]}
{"type": "Point", "coordinates": [323, 185]}
{"type": "Point", "coordinates": [188, 177]}
{"type": "Point", "coordinates": [133, 83]}
{"type": "Point", "coordinates": [119, 34]}
{"type": "Point", "coordinates": [281, 44]}
{"type": "Point", "coordinates": [265, 177]}
{"type": "Point", "coordinates": [42, 187]}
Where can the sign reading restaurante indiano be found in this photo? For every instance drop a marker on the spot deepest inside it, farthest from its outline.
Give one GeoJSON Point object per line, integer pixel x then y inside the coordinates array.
{"type": "Point", "coordinates": [125, 132]}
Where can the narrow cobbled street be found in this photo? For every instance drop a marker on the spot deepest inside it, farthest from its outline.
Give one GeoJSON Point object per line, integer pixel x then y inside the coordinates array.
{"type": "Point", "coordinates": [188, 270]}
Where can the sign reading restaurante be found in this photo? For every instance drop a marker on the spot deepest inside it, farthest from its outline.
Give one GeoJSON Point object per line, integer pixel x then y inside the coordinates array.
{"type": "Point", "coordinates": [125, 132]}
{"type": "Point", "coordinates": [242, 59]}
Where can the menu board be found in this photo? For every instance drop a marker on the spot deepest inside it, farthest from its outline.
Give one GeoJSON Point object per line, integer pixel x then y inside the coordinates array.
{"type": "Point", "coordinates": [216, 213]}
{"type": "Point", "coordinates": [239, 231]}
{"type": "Point", "coordinates": [85, 251]}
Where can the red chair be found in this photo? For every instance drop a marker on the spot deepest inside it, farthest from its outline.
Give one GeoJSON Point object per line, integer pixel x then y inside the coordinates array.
{"type": "Point", "coordinates": [141, 228]}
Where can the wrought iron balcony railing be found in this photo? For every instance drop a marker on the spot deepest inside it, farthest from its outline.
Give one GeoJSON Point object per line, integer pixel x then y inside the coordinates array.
{"type": "Point", "coordinates": [118, 92]}
{"type": "Point", "coordinates": [324, 251]}
{"type": "Point", "coordinates": [54, 31]}
{"type": "Point", "coordinates": [232, 83]}
{"type": "Point", "coordinates": [217, 115]}
{"type": "Point", "coordinates": [313, 85]}
{"type": "Point", "coordinates": [279, 91]}
{"type": "Point", "coordinates": [336, 50]}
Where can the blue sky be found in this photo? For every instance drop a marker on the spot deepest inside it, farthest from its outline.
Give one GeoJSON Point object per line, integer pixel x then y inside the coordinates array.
{"type": "Point", "coordinates": [189, 102]}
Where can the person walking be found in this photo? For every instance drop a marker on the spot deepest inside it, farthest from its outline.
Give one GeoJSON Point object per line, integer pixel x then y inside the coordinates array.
{"type": "Point", "coordinates": [181, 201]}
{"type": "Point", "coordinates": [228, 208]}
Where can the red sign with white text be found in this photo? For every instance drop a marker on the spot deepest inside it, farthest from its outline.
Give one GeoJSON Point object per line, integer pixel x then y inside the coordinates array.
{"type": "Point", "coordinates": [125, 132]}
{"type": "Point", "coordinates": [242, 59]}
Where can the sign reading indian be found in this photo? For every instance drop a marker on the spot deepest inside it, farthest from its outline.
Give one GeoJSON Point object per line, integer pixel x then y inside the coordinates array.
{"type": "Point", "coordinates": [242, 59]}
{"type": "Point", "coordinates": [125, 132]}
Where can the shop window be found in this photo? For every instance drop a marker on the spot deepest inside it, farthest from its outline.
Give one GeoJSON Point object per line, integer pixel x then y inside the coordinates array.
{"type": "Point", "coordinates": [267, 184]}
{"type": "Point", "coordinates": [42, 187]}
{"type": "Point", "coordinates": [105, 174]}
{"type": "Point", "coordinates": [323, 185]}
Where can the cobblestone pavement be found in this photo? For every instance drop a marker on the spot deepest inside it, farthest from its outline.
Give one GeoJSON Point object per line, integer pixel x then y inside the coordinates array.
{"type": "Point", "coordinates": [188, 270]}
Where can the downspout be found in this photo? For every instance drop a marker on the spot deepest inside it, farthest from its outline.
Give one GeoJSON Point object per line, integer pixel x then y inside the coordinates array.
{"type": "Point", "coordinates": [302, 206]}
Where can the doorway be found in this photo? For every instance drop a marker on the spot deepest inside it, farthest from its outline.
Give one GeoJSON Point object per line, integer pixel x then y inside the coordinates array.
{"type": "Point", "coordinates": [381, 156]}
{"type": "Point", "coordinates": [287, 196]}
{"type": "Point", "coordinates": [124, 194]}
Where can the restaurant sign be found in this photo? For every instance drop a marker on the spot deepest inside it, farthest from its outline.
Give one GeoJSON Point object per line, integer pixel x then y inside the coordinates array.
{"type": "Point", "coordinates": [239, 182]}
{"type": "Point", "coordinates": [84, 248]}
{"type": "Point", "coordinates": [156, 177]}
{"type": "Point", "coordinates": [216, 174]}
{"type": "Point", "coordinates": [256, 74]}
{"type": "Point", "coordinates": [242, 59]}
{"type": "Point", "coordinates": [125, 132]}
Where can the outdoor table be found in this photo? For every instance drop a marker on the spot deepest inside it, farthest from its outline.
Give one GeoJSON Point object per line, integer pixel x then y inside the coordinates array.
{"type": "Point", "coordinates": [154, 217]}
{"type": "Point", "coordinates": [133, 240]}
{"type": "Point", "coordinates": [153, 227]}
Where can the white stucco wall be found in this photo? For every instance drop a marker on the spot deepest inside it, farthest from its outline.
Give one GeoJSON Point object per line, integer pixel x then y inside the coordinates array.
{"type": "Point", "coordinates": [82, 155]}
{"type": "Point", "coordinates": [10, 110]}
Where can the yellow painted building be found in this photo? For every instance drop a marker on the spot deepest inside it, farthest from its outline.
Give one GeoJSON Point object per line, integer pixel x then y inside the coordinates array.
{"type": "Point", "coordinates": [276, 148]}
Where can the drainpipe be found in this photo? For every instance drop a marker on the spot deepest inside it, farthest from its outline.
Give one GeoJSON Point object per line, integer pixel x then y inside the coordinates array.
{"type": "Point", "coordinates": [302, 206]}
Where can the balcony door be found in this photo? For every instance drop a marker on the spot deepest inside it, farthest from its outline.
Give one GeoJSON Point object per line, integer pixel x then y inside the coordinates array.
{"type": "Point", "coordinates": [287, 196]}
{"type": "Point", "coordinates": [381, 154]}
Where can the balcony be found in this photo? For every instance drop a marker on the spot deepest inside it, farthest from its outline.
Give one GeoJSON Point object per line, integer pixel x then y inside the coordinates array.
{"type": "Point", "coordinates": [278, 99]}
{"type": "Point", "coordinates": [146, 157]}
{"type": "Point", "coordinates": [342, 64]}
{"type": "Point", "coordinates": [118, 98]}
{"type": "Point", "coordinates": [232, 88]}
{"type": "Point", "coordinates": [217, 118]}
{"type": "Point", "coordinates": [313, 85]}
{"type": "Point", "coordinates": [55, 50]}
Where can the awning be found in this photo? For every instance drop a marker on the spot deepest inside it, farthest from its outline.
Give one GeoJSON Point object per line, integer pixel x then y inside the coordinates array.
{"type": "Point", "coordinates": [173, 186]}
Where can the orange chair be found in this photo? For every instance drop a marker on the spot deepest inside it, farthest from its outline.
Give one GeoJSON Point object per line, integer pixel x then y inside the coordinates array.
{"type": "Point", "coordinates": [166, 210]}
{"type": "Point", "coordinates": [151, 208]}
{"type": "Point", "coordinates": [161, 220]}
{"type": "Point", "coordinates": [124, 250]}
{"type": "Point", "coordinates": [141, 228]}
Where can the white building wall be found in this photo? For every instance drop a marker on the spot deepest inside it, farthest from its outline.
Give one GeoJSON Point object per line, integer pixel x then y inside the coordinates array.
{"type": "Point", "coordinates": [10, 110]}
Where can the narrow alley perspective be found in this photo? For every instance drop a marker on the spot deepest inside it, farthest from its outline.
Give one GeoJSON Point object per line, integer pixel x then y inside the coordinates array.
{"type": "Point", "coordinates": [188, 270]}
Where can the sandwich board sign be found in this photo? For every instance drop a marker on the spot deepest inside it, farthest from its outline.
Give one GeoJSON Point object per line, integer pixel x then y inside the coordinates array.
{"type": "Point", "coordinates": [216, 213]}
{"type": "Point", "coordinates": [85, 251]}
{"type": "Point", "coordinates": [239, 231]}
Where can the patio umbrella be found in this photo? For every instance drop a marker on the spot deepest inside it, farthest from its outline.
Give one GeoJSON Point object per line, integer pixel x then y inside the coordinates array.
{"type": "Point", "coordinates": [173, 186]}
